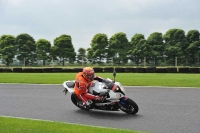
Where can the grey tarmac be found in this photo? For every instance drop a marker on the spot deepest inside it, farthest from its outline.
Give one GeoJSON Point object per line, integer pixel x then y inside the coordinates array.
{"type": "Point", "coordinates": [161, 109]}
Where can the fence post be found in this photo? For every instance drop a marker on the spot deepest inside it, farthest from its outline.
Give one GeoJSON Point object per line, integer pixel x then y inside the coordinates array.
{"type": "Point", "coordinates": [144, 61]}
{"type": "Point", "coordinates": [175, 61]}
{"type": "Point", "coordinates": [24, 61]}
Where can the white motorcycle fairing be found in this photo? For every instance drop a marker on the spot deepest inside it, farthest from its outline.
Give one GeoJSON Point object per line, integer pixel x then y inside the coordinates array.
{"type": "Point", "coordinates": [99, 87]}
{"type": "Point", "coordinates": [114, 97]}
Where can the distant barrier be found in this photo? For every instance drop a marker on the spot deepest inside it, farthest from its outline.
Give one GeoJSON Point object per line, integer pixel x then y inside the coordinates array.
{"type": "Point", "coordinates": [103, 70]}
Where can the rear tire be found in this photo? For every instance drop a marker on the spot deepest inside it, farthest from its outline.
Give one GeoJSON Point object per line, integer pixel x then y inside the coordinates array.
{"type": "Point", "coordinates": [130, 107]}
{"type": "Point", "coordinates": [75, 101]}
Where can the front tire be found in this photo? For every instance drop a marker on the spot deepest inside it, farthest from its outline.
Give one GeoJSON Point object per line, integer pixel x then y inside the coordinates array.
{"type": "Point", "coordinates": [130, 107]}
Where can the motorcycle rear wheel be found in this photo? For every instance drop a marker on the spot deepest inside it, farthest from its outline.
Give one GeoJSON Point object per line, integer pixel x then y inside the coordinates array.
{"type": "Point", "coordinates": [130, 107]}
{"type": "Point", "coordinates": [75, 101]}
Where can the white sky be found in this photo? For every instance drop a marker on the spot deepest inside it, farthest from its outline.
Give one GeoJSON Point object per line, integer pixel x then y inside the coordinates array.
{"type": "Point", "coordinates": [82, 19]}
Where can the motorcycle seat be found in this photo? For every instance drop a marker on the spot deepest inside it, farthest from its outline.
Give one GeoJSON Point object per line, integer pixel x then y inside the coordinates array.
{"type": "Point", "coordinates": [70, 84]}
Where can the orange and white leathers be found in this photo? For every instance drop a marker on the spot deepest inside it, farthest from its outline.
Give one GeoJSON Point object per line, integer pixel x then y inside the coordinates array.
{"type": "Point", "coordinates": [81, 88]}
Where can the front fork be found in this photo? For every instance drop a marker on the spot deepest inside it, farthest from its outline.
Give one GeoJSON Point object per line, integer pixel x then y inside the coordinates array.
{"type": "Point", "coordinates": [123, 101]}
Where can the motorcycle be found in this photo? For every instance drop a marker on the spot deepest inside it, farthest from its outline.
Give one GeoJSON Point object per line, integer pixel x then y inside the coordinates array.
{"type": "Point", "coordinates": [113, 93]}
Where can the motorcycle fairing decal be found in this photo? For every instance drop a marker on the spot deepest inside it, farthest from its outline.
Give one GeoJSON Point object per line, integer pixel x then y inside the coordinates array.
{"type": "Point", "coordinates": [92, 85]}
{"type": "Point", "coordinates": [124, 98]}
{"type": "Point", "coordinates": [114, 87]}
{"type": "Point", "coordinates": [122, 101]}
{"type": "Point", "coordinates": [118, 95]}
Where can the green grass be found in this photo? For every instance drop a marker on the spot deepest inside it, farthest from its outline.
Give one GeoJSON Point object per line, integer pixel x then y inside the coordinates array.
{"type": "Point", "coordinates": [16, 125]}
{"type": "Point", "coordinates": [129, 79]}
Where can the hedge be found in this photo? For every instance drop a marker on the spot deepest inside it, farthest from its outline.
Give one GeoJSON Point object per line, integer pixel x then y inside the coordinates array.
{"type": "Point", "coordinates": [120, 69]}
{"type": "Point", "coordinates": [129, 69]}
{"type": "Point", "coordinates": [46, 70]}
{"type": "Point", "coordinates": [161, 70]}
{"type": "Point", "coordinates": [171, 70]}
{"type": "Point", "coordinates": [194, 70]}
{"type": "Point", "coordinates": [98, 69]}
{"type": "Point", "coordinates": [6, 70]}
{"type": "Point", "coordinates": [68, 70]}
{"type": "Point", "coordinates": [150, 69]}
{"type": "Point", "coordinates": [77, 70]}
{"type": "Point", "coordinates": [57, 70]}
{"type": "Point", "coordinates": [37, 70]}
{"type": "Point", "coordinates": [140, 70]}
{"type": "Point", "coordinates": [107, 70]}
{"type": "Point", "coordinates": [17, 70]}
{"type": "Point", "coordinates": [28, 70]}
{"type": "Point", "coordinates": [183, 70]}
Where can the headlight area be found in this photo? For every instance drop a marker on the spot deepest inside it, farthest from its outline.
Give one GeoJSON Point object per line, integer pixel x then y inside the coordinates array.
{"type": "Point", "coordinates": [119, 89]}
{"type": "Point", "coordinates": [122, 87]}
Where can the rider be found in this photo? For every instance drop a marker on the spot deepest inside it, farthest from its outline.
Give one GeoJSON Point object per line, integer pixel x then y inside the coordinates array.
{"type": "Point", "coordinates": [82, 83]}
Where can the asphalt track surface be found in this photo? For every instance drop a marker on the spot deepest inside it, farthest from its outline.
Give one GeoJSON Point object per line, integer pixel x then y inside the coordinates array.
{"type": "Point", "coordinates": [161, 109]}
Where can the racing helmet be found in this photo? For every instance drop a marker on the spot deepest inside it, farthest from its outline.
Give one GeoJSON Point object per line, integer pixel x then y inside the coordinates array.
{"type": "Point", "coordinates": [88, 73]}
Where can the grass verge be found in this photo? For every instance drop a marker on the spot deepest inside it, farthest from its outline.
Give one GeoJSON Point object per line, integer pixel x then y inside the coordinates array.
{"type": "Point", "coordinates": [16, 125]}
{"type": "Point", "coordinates": [129, 79]}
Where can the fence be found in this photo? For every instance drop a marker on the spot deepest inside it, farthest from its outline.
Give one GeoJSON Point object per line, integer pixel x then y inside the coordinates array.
{"type": "Point", "coordinates": [145, 62]}
{"type": "Point", "coordinates": [101, 70]}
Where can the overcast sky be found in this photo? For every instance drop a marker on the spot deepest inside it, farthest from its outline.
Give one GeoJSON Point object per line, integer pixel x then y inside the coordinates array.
{"type": "Point", "coordinates": [82, 19]}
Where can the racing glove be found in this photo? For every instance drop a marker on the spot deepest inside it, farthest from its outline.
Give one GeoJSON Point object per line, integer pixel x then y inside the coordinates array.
{"type": "Point", "coordinates": [99, 98]}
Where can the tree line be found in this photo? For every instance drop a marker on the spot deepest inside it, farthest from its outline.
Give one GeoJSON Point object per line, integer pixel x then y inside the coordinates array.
{"type": "Point", "coordinates": [174, 44]}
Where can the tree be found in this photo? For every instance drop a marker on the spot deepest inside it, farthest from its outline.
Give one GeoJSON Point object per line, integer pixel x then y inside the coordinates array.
{"type": "Point", "coordinates": [64, 49]}
{"type": "Point", "coordinates": [194, 46]}
{"type": "Point", "coordinates": [141, 50]}
{"type": "Point", "coordinates": [81, 56]}
{"type": "Point", "coordinates": [97, 51]}
{"type": "Point", "coordinates": [135, 50]}
{"type": "Point", "coordinates": [7, 48]}
{"type": "Point", "coordinates": [26, 48]}
{"type": "Point", "coordinates": [118, 47]}
{"type": "Point", "coordinates": [43, 49]}
{"type": "Point", "coordinates": [155, 41]}
{"type": "Point", "coordinates": [176, 45]}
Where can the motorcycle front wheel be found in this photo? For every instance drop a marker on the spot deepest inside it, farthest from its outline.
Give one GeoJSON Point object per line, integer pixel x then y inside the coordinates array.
{"type": "Point", "coordinates": [129, 107]}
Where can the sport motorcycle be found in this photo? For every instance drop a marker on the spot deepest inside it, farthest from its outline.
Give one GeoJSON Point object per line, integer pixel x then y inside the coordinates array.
{"type": "Point", "coordinates": [113, 94]}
